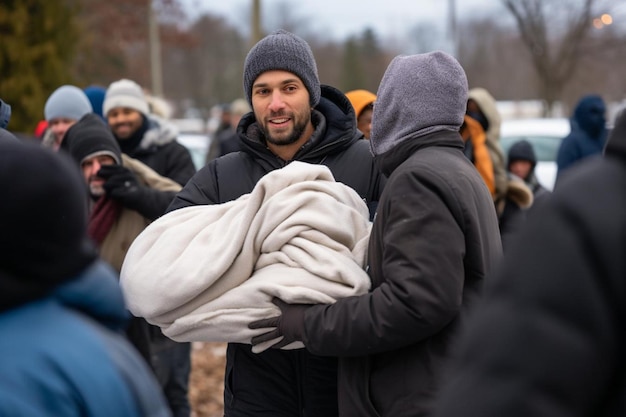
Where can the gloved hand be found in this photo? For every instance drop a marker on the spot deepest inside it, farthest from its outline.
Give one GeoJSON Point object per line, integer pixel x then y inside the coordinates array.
{"type": "Point", "coordinates": [290, 324]}
{"type": "Point", "coordinates": [121, 185]}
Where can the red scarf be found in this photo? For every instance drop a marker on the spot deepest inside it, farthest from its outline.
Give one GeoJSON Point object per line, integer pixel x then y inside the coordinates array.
{"type": "Point", "coordinates": [102, 217]}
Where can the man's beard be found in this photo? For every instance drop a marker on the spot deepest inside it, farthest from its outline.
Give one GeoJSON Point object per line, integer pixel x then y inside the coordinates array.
{"type": "Point", "coordinates": [96, 191]}
{"type": "Point", "coordinates": [296, 133]}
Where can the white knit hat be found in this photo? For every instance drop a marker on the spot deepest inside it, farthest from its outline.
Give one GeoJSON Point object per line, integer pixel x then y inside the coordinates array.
{"type": "Point", "coordinates": [125, 93]}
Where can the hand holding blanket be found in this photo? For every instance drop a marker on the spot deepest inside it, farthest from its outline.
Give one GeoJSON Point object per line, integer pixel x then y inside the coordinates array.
{"type": "Point", "coordinates": [202, 273]}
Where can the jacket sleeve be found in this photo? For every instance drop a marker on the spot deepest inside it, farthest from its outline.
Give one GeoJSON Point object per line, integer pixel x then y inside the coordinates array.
{"type": "Point", "coordinates": [567, 154]}
{"type": "Point", "coordinates": [422, 287]}
{"type": "Point", "coordinates": [180, 165]}
{"type": "Point", "coordinates": [201, 189]}
{"type": "Point", "coordinates": [151, 203]}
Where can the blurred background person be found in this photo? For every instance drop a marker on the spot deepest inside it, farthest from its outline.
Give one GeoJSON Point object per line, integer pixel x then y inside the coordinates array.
{"type": "Point", "coordinates": [144, 136]}
{"type": "Point", "coordinates": [5, 117]}
{"type": "Point", "coordinates": [228, 139]}
{"type": "Point", "coordinates": [61, 309]}
{"type": "Point", "coordinates": [511, 196]}
{"type": "Point", "coordinates": [363, 103]}
{"type": "Point", "coordinates": [95, 94]}
{"type": "Point", "coordinates": [151, 140]}
{"type": "Point", "coordinates": [588, 134]}
{"type": "Point", "coordinates": [477, 152]}
{"type": "Point", "coordinates": [65, 106]}
{"type": "Point", "coordinates": [521, 162]}
{"type": "Point", "coordinates": [113, 223]}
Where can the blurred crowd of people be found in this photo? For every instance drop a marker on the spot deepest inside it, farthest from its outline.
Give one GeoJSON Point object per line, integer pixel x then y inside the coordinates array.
{"type": "Point", "coordinates": [487, 294]}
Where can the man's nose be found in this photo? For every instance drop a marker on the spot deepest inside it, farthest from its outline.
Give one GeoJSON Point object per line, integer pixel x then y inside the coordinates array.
{"type": "Point", "coordinates": [277, 102]}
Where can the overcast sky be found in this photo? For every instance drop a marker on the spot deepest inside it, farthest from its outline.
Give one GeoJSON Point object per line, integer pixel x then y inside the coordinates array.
{"type": "Point", "coordinates": [340, 18]}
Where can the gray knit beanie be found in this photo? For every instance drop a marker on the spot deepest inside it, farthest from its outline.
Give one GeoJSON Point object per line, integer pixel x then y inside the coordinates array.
{"type": "Point", "coordinates": [282, 50]}
{"type": "Point", "coordinates": [418, 94]}
{"type": "Point", "coordinates": [67, 102]}
{"type": "Point", "coordinates": [125, 93]}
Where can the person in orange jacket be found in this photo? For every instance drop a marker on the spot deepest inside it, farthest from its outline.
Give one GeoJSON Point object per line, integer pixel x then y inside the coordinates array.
{"type": "Point", "coordinates": [476, 150]}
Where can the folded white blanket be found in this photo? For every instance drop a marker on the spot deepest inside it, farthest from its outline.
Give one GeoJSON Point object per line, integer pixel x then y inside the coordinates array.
{"type": "Point", "coordinates": [203, 273]}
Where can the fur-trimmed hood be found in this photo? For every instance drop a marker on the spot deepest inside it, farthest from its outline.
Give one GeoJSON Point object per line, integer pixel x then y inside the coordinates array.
{"type": "Point", "coordinates": [518, 192]}
{"type": "Point", "coordinates": [160, 132]}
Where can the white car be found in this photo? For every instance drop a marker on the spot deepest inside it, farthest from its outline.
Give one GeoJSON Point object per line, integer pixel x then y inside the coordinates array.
{"type": "Point", "coordinates": [545, 135]}
{"type": "Point", "coordinates": [198, 146]}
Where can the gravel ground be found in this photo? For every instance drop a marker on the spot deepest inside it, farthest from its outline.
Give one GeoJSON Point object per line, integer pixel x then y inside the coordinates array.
{"type": "Point", "coordinates": [206, 383]}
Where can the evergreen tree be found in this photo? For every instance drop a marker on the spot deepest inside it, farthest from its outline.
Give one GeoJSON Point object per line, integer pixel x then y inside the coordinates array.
{"type": "Point", "coordinates": [36, 51]}
{"type": "Point", "coordinates": [352, 70]}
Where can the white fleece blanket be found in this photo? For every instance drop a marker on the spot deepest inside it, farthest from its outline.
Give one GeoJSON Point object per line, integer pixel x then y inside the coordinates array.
{"type": "Point", "coordinates": [203, 273]}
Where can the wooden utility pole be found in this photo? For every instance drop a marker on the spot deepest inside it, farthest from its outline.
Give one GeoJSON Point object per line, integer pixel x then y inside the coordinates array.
{"type": "Point", "coordinates": [155, 52]}
{"type": "Point", "coordinates": [256, 33]}
{"type": "Point", "coordinates": [452, 28]}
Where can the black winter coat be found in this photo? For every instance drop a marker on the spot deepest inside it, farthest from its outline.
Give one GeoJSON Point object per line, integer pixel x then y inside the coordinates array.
{"type": "Point", "coordinates": [159, 149]}
{"type": "Point", "coordinates": [435, 237]}
{"type": "Point", "coordinates": [550, 336]}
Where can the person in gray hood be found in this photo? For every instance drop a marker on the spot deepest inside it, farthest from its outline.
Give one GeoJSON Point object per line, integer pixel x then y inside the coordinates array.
{"type": "Point", "coordinates": [434, 240]}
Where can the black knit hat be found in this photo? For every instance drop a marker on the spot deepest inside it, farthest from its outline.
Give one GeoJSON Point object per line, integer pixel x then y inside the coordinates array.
{"type": "Point", "coordinates": [282, 50]}
{"type": "Point", "coordinates": [90, 137]}
{"type": "Point", "coordinates": [522, 151]}
{"type": "Point", "coordinates": [43, 220]}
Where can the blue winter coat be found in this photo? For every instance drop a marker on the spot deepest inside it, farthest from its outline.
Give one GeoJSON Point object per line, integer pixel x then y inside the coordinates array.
{"type": "Point", "coordinates": [588, 134]}
{"type": "Point", "coordinates": [63, 355]}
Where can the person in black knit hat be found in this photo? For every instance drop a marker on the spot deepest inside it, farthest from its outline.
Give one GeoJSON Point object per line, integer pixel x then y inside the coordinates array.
{"type": "Point", "coordinates": [61, 308]}
{"type": "Point", "coordinates": [521, 162]}
{"type": "Point", "coordinates": [126, 195]}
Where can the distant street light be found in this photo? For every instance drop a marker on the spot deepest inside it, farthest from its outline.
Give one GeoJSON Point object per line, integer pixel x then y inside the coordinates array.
{"type": "Point", "coordinates": [602, 21]}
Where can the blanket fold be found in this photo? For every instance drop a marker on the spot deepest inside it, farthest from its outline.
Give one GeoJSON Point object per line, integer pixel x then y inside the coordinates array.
{"type": "Point", "coordinates": [202, 273]}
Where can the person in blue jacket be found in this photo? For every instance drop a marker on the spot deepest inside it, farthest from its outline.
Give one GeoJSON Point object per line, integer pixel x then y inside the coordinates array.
{"type": "Point", "coordinates": [588, 134]}
{"type": "Point", "coordinates": [62, 352]}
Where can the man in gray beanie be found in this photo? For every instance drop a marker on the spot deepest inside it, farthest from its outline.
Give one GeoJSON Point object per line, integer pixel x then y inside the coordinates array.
{"type": "Point", "coordinates": [293, 118]}
{"type": "Point", "coordinates": [434, 239]}
{"type": "Point", "coordinates": [65, 106]}
{"type": "Point", "coordinates": [282, 50]}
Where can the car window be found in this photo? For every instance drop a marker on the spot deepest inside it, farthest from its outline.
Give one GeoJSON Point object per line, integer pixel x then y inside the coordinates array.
{"type": "Point", "coordinates": [546, 147]}
{"type": "Point", "coordinates": [198, 145]}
